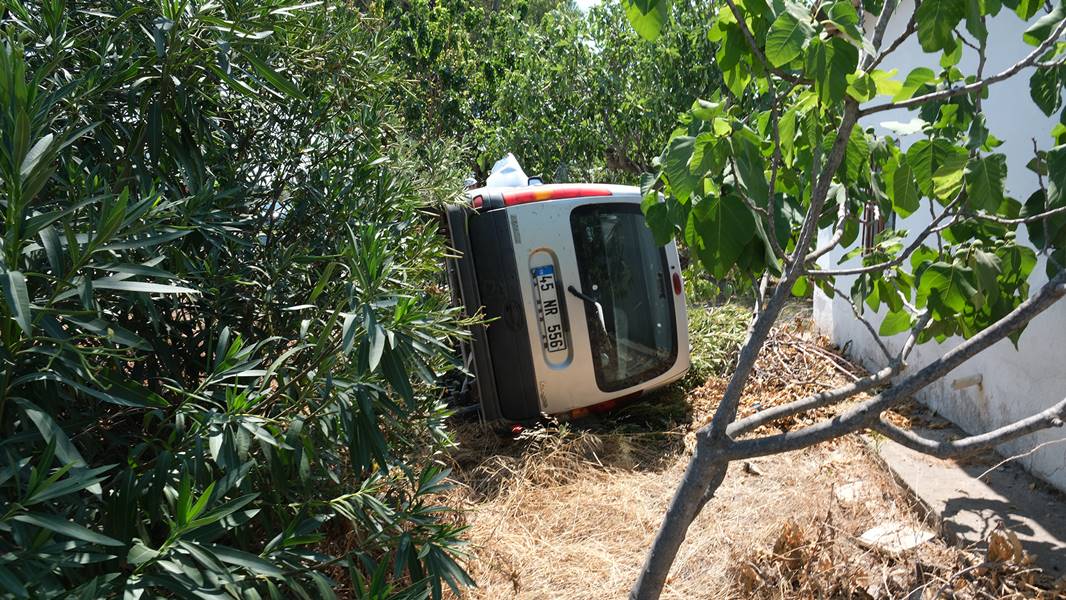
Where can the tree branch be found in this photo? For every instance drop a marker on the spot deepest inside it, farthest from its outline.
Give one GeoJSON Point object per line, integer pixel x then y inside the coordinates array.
{"type": "Point", "coordinates": [862, 415]}
{"type": "Point", "coordinates": [870, 328]}
{"type": "Point", "coordinates": [1052, 417]}
{"type": "Point", "coordinates": [976, 86]}
{"type": "Point", "coordinates": [912, 26]}
{"type": "Point", "coordinates": [755, 47]}
{"type": "Point", "coordinates": [838, 234]}
{"type": "Point", "coordinates": [879, 30]}
{"type": "Point", "coordinates": [932, 227]}
{"type": "Point", "coordinates": [827, 398]}
{"type": "Point", "coordinates": [1020, 220]}
{"type": "Point", "coordinates": [775, 161]}
{"type": "Point", "coordinates": [814, 401]}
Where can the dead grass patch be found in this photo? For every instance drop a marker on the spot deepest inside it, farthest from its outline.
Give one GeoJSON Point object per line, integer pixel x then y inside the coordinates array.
{"type": "Point", "coordinates": [567, 512]}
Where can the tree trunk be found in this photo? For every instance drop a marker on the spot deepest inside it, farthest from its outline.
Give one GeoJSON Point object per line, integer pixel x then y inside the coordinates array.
{"type": "Point", "coordinates": [702, 478]}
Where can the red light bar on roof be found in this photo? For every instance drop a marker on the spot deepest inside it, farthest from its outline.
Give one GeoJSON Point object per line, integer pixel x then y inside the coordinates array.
{"type": "Point", "coordinates": [554, 192]}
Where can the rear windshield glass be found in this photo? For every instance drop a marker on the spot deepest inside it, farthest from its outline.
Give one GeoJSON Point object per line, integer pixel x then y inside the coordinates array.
{"type": "Point", "coordinates": [624, 270]}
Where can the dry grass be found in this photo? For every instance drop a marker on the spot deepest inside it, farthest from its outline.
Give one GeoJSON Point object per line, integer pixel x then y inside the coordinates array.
{"type": "Point", "coordinates": [568, 512]}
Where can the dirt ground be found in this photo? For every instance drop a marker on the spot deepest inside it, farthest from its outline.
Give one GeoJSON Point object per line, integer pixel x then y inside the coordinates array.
{"type": "Point", "coordinates": [568, 511]}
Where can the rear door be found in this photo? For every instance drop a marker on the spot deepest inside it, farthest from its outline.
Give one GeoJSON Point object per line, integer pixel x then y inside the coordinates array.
{"type": "Point", "coordinates": [622, 327]}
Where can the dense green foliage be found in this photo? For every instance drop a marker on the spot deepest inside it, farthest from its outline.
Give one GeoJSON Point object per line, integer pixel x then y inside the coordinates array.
{"type": "Point", "coordinates": [216, 330]}
{"type": "Point", "coordinates": [740, 182]}
{"type": "Point", "coordinates": [221, 320]}
{"type": "Point", "coordinates": [576, 96]}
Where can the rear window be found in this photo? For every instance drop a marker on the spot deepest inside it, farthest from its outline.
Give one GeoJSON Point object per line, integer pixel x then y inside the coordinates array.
{"type": "Point", "coordinates": [623, 269]}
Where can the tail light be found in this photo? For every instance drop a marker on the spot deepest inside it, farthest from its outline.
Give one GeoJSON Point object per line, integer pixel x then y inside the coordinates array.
{"type": "Point", "coordinates": [492, 200]}
{"type": "Point", "coordinates": [554, 192]}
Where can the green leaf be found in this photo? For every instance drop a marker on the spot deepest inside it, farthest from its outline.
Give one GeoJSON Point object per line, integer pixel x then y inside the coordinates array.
{"type": "Point", "coordinates": [276, 80]}
{"type": "Point", "coordinates": [749, 161]}
{"type": "Point", "coordinates": [376, 334]}
{"type": "Point", "coordinates": [862, 87]}
{"type": "Point", "coordinates": [895, 322]}
{"type": "Point", "coordinates": [856, 156]}
{"type": "Point", "coordinates": [949, 283]}
{"type": "Point", "coordinates": [843, 15]}
{"type": "Point", "coordinates": [1056, 167]}
{"type": "Point", "coordinates": [937, 20]}
{"type": "Point", "coordinates": [985, 179]}
{"type": "Point", "coordinates": [18, 299]}
{"type": "Point", "coordinates": [987, 268]}
{"type": "Point", "coordinates": [788, 35]}
{"type": "Point", "coordinates": [1027, 9]}
{"type": "Point", "coordinates": [675, 162]}
{"type": "Point", "coordinates": [1044, 233]}
{"type": "Point", "coordinates": [1045, 89]}
{"type": "Point", "coordinates": [67, 528]}
{"type": "Point", "coordinates": [914, 81]}
{"type": "Point", "coordinates": [112, 283]}
{"type": "Point", "coordinates": [657, 216]}
{"type": "Point", "coordinates": [704, 110]}
{"type": "Point", "coordinates": [34, 155]}
{"type": "Point", "coordinates": [950, 58]}
{"type": "Point", "coordinates": [938, 166]}
{"type": "Point", "coordinates": [904, 192]}
{"type": "Point", "coordinates": [975, 22]}
{"type": "Point", "coordinates": [140, 553]}
{"type": "Point", "coordinates": [829, 64]}
{"type": "Point", "coordinates": [647, 16]}
{"type": "Point", "coordinates": [9, 582]}
{"type": "Point", "coordinates": [111, 332]}
{"type": "Point", "coordinates": [254, 563]}
{"type": "Point", "coordinates": [886, 85]}
{"type": "Point", "coordinates": [915, 125]}
{"type": "Point", "coordinates": [51, 431]}
{"type": "Point", "coordinates": [719, 228]}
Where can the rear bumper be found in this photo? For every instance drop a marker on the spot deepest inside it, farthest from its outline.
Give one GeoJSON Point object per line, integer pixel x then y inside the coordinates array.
{"type": "Point", "coordinates": [484, 277]}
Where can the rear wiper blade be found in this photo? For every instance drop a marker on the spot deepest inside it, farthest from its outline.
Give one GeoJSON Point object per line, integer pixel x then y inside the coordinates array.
{"type": "Point", "coordinates": [589, 300]}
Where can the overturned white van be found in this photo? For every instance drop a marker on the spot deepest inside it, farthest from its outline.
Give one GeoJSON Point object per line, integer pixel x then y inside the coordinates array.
{"type": "Point", "coordinates": [585, 310]}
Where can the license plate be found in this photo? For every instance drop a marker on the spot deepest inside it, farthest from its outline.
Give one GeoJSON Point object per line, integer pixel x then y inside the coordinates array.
{"type": "Point", "coordinates": [548, 313]}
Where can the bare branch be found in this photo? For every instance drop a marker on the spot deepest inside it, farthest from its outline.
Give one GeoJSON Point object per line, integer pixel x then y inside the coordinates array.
{"type": "Point", "coordinates": [870, 328]}
{"type": "Point", "coordinates": [828, 398]}
{"type": "Point", "coordinates": [1015, 457]}
{"type": "Point", "coordinates": [775, 162]}
{"type": "Point", "coordinates": [814, 401]}
{"type": "Point", "coordinates": [887, 11]}
{"type": "Point", "coordinates": [1018, 221]}
{"type": "Point", "coordinates": [912, 26]}
{"type": "Point", "coordinates": [1052, 417]}
{"type": "Point", "coordinates": [838, 234]}
{"type": "Point", "coordinates": [976, 86]}
{"type": "Point", "coordinates": [912, 340]}
{"type": "Point", "coordinates": [931, 228]}
{"type": "Point", "coordinates": [862, 415]}
{"type": "Point", "coordinates": [1051, 64]}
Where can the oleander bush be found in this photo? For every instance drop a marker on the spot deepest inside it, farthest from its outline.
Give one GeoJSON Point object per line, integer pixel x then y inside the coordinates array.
{"type": "Point", "coordinates": [219, 326]}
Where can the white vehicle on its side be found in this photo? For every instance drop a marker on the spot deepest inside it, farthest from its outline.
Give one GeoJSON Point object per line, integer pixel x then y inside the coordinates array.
{"type": "Point", "coordinates": [586, 310]}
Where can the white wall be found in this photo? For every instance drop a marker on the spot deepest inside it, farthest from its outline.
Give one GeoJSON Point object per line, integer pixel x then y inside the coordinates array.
{"type": "Point", "coordinates": [1013, 383]}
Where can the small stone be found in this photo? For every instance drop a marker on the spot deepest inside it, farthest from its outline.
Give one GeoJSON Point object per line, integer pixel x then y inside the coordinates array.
{"type": "Point", "coordinates": [895, 538]}
{"type": "Point", "coordinates": [852, 493]}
